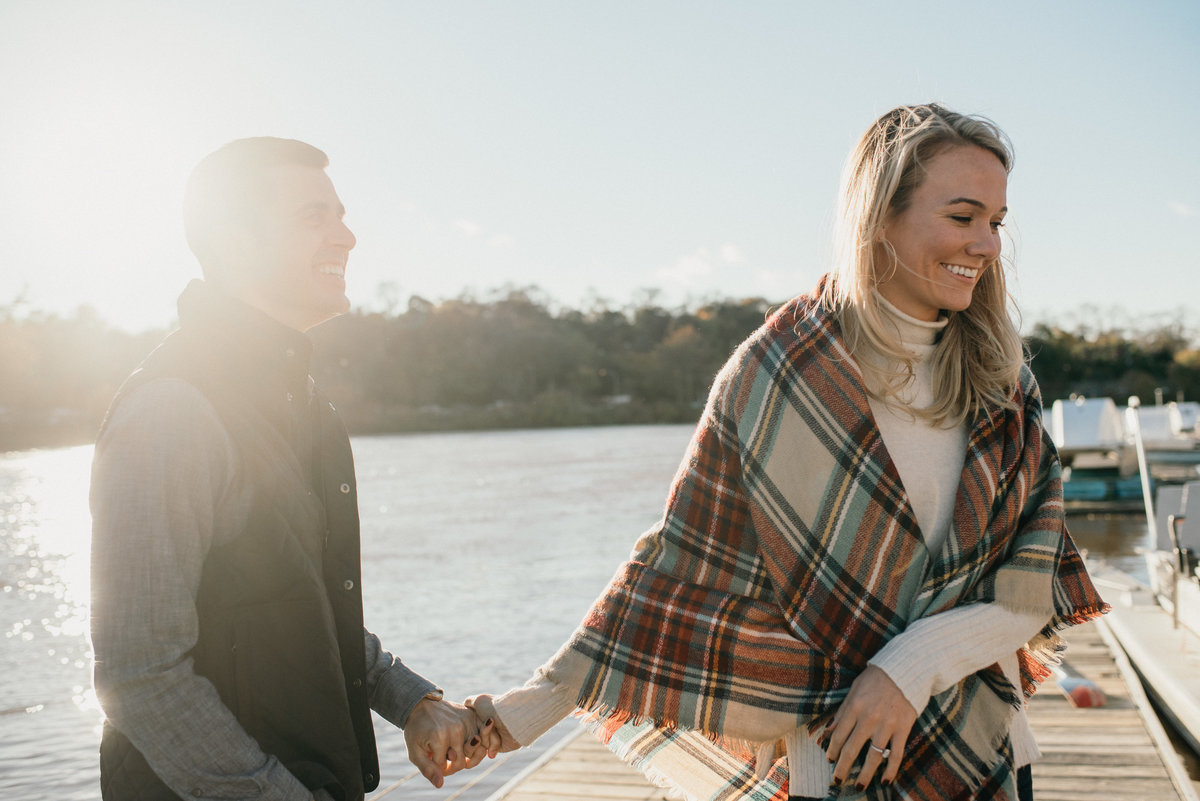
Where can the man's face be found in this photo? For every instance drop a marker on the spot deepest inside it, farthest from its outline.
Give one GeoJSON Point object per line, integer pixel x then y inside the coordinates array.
{"type": "Point", "coordinates": [293, 266]}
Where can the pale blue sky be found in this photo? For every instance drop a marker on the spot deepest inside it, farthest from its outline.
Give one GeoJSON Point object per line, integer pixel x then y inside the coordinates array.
{"type": "Point", "coordinates": [596, 148]}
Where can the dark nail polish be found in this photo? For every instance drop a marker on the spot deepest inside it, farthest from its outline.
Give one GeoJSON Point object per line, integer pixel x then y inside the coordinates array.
{"type": "Point", "coordinates": [474, 742]}
{"type": "Point", "coordinates": [887, 782]}
{"type": "Point", "coordinates": [831, 759]}
{"type": "Point", "coordinates": [837, 782]}
{"type": "Point", "coordinates": [488, 722]}
{"type": "Point", "coordinates": [860, 787]}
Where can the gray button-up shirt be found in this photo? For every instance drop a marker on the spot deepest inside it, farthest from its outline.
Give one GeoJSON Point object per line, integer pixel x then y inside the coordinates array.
{"type": "Point", "coordinates": [164, 492]}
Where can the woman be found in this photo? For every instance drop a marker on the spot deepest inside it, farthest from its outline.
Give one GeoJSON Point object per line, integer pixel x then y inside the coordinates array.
{"type": "Point", "coordinates": [863, 563]}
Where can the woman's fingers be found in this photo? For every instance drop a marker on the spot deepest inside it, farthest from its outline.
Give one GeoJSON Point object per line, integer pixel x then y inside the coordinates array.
{"type": "Point", "coordinates": [834, 738]}
{"type": "Point", "coordinates": [878, 761]}
{"type": "Point", "coordinates": [475, 749]}
{"type": "Point", "coordinates": [496, 736]}
{"type": "Point", "coordinates": [875, 713]}
{"type": "Point", "coordinates": [873, 758]}
{"type": "Point", "coordinates": [847, 755]}
{"type": "Point", "coordinates": [892, 769]}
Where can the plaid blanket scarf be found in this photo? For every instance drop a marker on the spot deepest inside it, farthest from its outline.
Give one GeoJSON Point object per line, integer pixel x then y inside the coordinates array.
{"type": "Point", "coordinates": [789, 554]}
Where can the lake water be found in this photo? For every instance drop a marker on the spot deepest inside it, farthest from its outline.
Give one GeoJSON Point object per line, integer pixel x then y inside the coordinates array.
{"type": "Point", "coordinates": [481, 552]}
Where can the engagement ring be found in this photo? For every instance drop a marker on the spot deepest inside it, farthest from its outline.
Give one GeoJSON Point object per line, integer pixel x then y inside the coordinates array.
{"type": "Point", "coordinates": [884, 753]}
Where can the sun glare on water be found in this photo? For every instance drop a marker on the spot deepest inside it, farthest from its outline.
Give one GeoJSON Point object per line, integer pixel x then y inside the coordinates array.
{"type": "Point", "coordinates": [45, 546]}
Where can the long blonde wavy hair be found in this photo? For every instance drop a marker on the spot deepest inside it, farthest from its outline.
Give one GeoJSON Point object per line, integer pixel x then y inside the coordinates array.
{"type": "Point", "coordinates": [977, 360]}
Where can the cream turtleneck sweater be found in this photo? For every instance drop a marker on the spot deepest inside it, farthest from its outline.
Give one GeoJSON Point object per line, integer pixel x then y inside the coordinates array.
{"type": "Point", "coordinates": [933, 653]}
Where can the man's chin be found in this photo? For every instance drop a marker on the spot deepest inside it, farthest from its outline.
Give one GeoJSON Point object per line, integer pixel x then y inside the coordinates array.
{"type": "Point", "coordinates": [335, 308]}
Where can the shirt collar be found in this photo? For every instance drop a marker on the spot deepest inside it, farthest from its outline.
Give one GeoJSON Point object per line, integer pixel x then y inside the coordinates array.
{"type": "Point", "coordinates": [246, 336]}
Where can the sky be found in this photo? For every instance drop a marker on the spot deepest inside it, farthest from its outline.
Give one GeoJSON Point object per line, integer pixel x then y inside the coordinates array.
{"type": "Point", "coordinates": [615, 151]}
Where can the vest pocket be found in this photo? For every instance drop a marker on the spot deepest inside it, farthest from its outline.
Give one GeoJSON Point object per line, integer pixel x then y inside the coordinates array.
{"type": "Point", "coordinates": [290, 690]}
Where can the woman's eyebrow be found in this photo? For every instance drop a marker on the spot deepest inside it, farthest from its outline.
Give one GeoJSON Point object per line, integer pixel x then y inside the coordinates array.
{"type": "Point", "coordinates": [973, 202]}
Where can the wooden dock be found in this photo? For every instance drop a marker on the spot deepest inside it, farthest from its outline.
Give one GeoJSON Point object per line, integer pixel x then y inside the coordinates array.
{"type": "Point", "coordinates": [1118, 752]}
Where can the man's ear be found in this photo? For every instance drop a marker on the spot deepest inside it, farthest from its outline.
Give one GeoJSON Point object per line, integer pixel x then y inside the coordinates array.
{"type": "Point", "coordinates": [235, 248]}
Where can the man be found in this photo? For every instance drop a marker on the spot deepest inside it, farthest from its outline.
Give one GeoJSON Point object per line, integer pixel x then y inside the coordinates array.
{"type": "Point", "coordinates": [231, 658]}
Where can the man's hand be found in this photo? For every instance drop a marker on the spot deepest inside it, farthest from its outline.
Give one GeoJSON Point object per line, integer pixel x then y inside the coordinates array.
{"type": "Point", "coordinates": [443, 738]}
{"type": "Point", "coordinates": [496, 737]}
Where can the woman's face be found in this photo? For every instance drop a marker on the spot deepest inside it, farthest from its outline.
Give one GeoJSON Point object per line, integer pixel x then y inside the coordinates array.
{"type": "Point", "coordinates": [947, 236]}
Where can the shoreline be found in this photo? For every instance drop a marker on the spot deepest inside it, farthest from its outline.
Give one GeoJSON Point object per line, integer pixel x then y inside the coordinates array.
{"type": "Point", "coordinates": [15, 438]}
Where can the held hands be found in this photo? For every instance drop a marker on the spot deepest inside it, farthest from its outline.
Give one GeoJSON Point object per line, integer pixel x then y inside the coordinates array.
{"type": "Point", "coordinates": [444, 738]}
{"type": "Point", "coordinates": [875, 716]}
{"type": "Point", "coordinates": [496, 737]}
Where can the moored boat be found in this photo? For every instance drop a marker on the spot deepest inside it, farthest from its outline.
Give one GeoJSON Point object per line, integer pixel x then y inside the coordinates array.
{"type": "Point", "coordinates": [1157, 622]}
{"type": "Point", "coordinates": [1095, 440]}
{"type": "Point", "coordinates": [1099, 466]}
{"type": "Point", "coordinates": [1168, 439]}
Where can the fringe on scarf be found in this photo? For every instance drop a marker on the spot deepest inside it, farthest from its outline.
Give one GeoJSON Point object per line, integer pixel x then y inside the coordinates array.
{"type": "Point", "coordinates": [766, 776]}
{"type": "Point", "coordinates": [603, 720]}
{"type": "Point", "coordinates": [1045, 651]}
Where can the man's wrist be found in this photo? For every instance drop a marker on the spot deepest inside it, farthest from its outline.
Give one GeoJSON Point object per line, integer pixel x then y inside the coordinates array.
{"type": "Point", "coordinates": [434, 697]}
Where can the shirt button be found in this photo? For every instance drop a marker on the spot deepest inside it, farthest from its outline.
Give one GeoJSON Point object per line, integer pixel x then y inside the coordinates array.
{"type": "Point", "coordinates": [290, 352]}
{"type": "Point", "coordinates": [345, 488]}
{"type": "Point", "coordinates": [347, 584]}
{"type": "Point", "coordinates": [356, 683]}
{"type": "Point", "coordinates": [289, 397]}
{"type": "Point", "coordinates": [368, 777]}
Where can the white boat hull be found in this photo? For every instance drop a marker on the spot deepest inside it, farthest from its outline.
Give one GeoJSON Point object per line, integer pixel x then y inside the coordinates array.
{"type": "Point", "coordinates": [1166, 655]}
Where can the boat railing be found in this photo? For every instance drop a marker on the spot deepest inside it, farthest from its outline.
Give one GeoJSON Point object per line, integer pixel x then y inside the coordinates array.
{"type": "Point", "coordinates": [1140, 446]}
{"type": "Point", "coordinates": [1178, 565]}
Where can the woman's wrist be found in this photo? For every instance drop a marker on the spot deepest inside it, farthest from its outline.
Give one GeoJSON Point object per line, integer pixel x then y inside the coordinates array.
{"type": "Point", "coordinates": [531, 710]}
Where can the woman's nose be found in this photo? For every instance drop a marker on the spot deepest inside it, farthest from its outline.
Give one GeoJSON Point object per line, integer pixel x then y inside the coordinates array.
{"type": "Point", "coordinates": [986, 243]}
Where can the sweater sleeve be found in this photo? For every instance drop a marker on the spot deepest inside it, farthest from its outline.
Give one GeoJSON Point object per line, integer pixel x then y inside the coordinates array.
{"type": "Point", "coordinates": [936, 652]}
{"type": "Point", "coordinates": [530, 711]}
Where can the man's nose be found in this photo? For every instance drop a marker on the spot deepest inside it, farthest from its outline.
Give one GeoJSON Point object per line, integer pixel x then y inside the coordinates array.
{"type": "Point", "coordinates": [343, 236]}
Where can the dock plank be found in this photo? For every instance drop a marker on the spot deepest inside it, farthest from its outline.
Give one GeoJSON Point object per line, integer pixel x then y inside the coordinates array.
{"type": "Point", "coordinates": [1110, 752]}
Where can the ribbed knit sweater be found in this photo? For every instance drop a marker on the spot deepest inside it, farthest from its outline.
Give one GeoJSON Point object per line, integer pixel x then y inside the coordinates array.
{"type": "Point", "coordinates": [933, 653]}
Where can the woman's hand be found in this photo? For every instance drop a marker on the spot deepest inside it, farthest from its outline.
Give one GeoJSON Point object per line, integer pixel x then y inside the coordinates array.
{"type": "Point", "coordinates": [496, 737]}
{"type": "Point", "coordinates": [875, 716]}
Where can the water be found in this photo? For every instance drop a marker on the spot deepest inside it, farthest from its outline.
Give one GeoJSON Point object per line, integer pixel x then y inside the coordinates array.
{"type": "Point", "coordinates": [481, 552]}
{"type": "Point", "coordinates": [1116, 538]}
{"type": "Point", "coordinates": [49, 719]}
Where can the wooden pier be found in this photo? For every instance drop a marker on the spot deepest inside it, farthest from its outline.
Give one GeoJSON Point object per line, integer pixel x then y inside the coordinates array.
{"type": "Point", "coordinates": [1117, 752]}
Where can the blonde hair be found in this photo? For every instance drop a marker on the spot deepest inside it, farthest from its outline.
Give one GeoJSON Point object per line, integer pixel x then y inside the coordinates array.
{"type": "Point", "coordinates": [977, 360]}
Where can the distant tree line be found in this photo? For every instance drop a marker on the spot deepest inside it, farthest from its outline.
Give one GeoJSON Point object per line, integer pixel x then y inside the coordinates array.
{"type": "Point", "coordinates": [58, 374]}
{"type": "Point", "coordinates": [1116, 364]}
{"type": "Point", "coordinates": [513, 359]}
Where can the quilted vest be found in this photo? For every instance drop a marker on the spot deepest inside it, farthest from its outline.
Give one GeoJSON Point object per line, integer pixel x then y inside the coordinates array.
{"type": "Point", "coordinates": [279, 606]}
